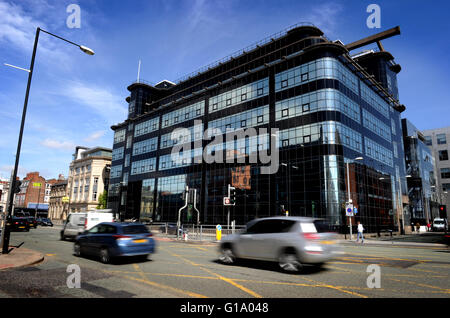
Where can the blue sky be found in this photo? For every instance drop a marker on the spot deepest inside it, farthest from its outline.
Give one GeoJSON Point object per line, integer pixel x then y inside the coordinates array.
{"type": "Point", "coordinates": [75, 98]}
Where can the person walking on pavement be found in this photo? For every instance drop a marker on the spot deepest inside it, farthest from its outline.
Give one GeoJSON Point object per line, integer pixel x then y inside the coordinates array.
{"type": "Point", "coordinates": [360, 233]}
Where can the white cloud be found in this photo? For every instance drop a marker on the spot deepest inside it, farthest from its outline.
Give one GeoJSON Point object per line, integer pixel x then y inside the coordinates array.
{"type": "Point", "coordinates": [101, 100]}
{"type": "Point", "coordinates": [325, 17]}
{"type": "Point", "coordinates": [60, 145]}
{"type": "Point", "coordinates": [95, 135]}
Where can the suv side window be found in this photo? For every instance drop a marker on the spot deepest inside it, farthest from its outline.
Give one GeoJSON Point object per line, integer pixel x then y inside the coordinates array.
{"type": "Point", "coordinates": [94, 230]}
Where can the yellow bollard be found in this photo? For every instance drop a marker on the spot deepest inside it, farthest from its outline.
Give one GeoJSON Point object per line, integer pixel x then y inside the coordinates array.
{"type": "Point", "coordinates": [218, 232]}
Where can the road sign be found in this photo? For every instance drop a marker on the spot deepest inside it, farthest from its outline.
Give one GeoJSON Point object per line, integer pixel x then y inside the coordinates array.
{"type": "Point", "coordinates": [355, 210]}
{"type": "Point", "coordinates": [349, 209]}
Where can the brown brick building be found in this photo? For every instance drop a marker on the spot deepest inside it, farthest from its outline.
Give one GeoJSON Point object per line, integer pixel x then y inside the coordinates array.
{"type": "Point", "coordinates": [34, 190]}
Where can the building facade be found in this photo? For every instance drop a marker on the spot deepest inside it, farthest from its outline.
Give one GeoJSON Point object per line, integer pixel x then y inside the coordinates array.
{"type": "Point", "coordinates": [281, 122]}
{"type": "Point", "coordinates": [88, 177]}
{"type": "Point", "coordinates": [439, 142]}
{"type": "Point", "coordinates": [421, 176]}
{"type": "Point", "coordinates": [59, 200]}
{"type": "Point", "coordinates": [32, 192]}
{"type": "Point", "coordinates": [4, 193]}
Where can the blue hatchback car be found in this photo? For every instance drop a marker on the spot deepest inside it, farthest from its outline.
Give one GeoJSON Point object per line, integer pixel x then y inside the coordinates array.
{"type": "Point", "coordinates": [108, 240]}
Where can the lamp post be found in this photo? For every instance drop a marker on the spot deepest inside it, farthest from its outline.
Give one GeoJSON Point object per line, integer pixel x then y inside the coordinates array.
{"type": "Point", "coordinates": [288, 188]}
{"type": "Point", "coordinates": [86, 50]}
{"type": "Point", "coordinates": [348, 192]}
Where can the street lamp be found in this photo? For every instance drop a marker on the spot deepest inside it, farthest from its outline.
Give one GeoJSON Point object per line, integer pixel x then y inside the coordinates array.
{"type": "Point", "coordinates": [288, 188]}
{"type": "Point", "coordinates": [348, 192]}
{"type": "Point", "coordinates": [86, 50]}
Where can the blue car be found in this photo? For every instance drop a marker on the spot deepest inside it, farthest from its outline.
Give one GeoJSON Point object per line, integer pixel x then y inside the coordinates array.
{"type": "Point", "coordinates": [109, 240]}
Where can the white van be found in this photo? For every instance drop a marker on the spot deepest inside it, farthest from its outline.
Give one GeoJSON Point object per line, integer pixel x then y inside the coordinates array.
{"type": "Point", "coordinates": [440, 224]}
{"type": "Point", "coordinates": [79, 222]}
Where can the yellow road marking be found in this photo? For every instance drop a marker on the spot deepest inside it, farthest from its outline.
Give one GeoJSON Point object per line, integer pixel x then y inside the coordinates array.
{"type": "Point", "coordinates": [445, 290]}
{"type": "Point", "coordinates": [50, 254]}
{"type": "Point", "coordinates": [230, 281]}
{"type": "Point", "coordinates": [148, 282]}
{"type": "Point", "coordinates": [336, 288]}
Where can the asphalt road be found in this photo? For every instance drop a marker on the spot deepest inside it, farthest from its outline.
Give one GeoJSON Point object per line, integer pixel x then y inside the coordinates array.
{"type": "Point", "coordinates": [180, 269]}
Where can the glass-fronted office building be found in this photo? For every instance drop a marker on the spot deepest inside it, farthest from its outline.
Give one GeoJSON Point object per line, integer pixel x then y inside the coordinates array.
{"type": "Point", "coordinates": [296, 102]}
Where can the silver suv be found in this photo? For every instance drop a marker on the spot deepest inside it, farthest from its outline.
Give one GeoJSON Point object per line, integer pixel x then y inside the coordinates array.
{"type": "Point", "coordinates": [290, 241]}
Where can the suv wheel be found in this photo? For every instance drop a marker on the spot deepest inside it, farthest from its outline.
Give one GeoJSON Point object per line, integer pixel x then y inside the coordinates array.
{"type": "Point", "coordinates": [226, 255]}
{"type": "Point", "coordinates": [104, 256]}
{"type": "Point", "coordinates": [77, 249]}
{"type": "Point", "coordinates": [289, 262]}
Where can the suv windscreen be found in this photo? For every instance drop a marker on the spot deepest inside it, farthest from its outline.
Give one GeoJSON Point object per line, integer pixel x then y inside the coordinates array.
{"type": "Point", "coordinates": [135, 229]}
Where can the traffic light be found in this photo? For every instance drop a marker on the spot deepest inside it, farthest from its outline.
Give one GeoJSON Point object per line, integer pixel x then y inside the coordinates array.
{"type": "Point", "coordinates": [17, 185]}
{"type": "Point", "coordinates": [232, 195]}
{"type": "Point", "coordinates": [443, 211]}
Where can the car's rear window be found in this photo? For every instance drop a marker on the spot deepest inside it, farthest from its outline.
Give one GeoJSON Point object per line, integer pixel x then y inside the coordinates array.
{"type": "Point", "coordinates": [438, 222]}
{"type": "Point", "coordinates": [135, 229]}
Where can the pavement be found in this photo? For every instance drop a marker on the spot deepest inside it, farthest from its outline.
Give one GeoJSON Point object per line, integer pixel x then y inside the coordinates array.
{"type": "Point", "coordinates": [19, 257]}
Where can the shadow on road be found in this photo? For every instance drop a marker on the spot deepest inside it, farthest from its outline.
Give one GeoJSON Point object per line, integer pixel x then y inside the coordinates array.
{"type": "Point", "coordinates": [126, 260]}
{"type": "Point", "coordinates": [273, 267]}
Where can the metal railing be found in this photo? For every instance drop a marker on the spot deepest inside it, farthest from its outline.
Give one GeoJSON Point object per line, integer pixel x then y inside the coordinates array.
{"type": "Point", "coordinates": [204, 232]}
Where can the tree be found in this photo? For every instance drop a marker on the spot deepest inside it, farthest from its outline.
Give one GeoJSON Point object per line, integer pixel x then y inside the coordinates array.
{"type": "Point", "coordinates": [102, 200]}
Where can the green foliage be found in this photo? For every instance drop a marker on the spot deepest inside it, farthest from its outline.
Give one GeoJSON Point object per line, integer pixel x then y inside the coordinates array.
{"type": "Point", "coordinates": [102, 200]}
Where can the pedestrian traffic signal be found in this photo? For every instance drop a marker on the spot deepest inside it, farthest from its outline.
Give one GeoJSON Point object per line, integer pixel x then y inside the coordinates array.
{"type": "Point", "coordinates": [443, 211]}
{"type": "Point", "coordinates": [17, 185]}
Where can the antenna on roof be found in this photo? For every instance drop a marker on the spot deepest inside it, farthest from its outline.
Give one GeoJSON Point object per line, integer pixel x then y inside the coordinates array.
{"type": "Point", "coordinates": [139, 70]}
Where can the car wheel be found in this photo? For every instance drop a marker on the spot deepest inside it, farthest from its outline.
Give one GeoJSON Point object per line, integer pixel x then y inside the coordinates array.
{"type": "Point", "coordinates": [77, 249]}
{"type": "Point", "coordinates": [226, 255]}
{"type": "Point", "coordinates": [104, 256]}
{"type": "Point", "coordinates": [288, 262]}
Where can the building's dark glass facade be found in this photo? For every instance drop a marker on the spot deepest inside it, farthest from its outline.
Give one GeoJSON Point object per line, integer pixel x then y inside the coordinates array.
{"type": "Point", "coordinates": [327, 110]}
{"type": "Point", "coordinates": [421, 177]}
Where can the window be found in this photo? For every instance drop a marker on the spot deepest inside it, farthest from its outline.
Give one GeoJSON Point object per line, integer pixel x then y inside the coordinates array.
{"type": "Point", "coordinates": [260, 91]}
{"type": "Point", "coordinates": [285, 112]}
{"type": "Point", "coordinates": [284, 83]}
{"type": "Point", "coordinates": [228, 101]}
{"type": "Point", "coordinates": [443, 155]}
{"type": "Point", "coordinates": [306, 139]}
{"type": "Point", "coordinates": [186, 116]}
{"type": "Point", "coordinates": [260, 119]}
{"type": "Point", "coordinates": [243, 123]}
{"type": "Point", "coordinates": [285, 142]}
{"type": "Point", "coordinates": [198, 111]}
{"type": "Point", "coordinates": [428, 141]}
{"type": "Point", "coordinates": [304, 77]}
{"type": "Point", "coordinates": [215, 106]}
{"type": "Point", "coordinates": [445, 173]}
{"type": "Point", "coordinates": [243, 97]}
{"type": "Point", "coordinates": [441, 140]}
{"type": "Point", "coordinates": [175, 119]}
{"type": "Point", "coordinates": [305, 107]}
{"type": "Point", "coordinates": [445, 186]}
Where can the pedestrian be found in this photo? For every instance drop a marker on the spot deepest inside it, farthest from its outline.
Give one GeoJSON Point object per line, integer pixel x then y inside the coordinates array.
{"type": "Point", "coordinates": [360, 233]}
{"type": "Point", "coordinates": [429, 227]}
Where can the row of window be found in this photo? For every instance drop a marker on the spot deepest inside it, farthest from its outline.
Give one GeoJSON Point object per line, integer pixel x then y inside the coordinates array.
{"type": "Point", "coordinates": [143, 166]}
{"type": "Point", "coordinates": [441, 139]}
{"type": "Point", "coordinates": [250, 118]}
{"type": "Point", "coordinates": [117, 153]}
{"type": "Point", "coordinates": [146, 127]}
{"type": "Point", "coordinates": [239, 95]}
{"type": "Point", "coordinates": [186, 158]}
{"type": "Point", "coordinates": [317, 69]}
{"type": "Point", "coordinates": [183, 114]}
{"type": "Point", "coordinates": [378, 152]}
{"type": "Point", "coordinates": [181, 135]}
{"type": "Point", "coordinates": [240, 147]}
{"type": "Point", "coordinates": [116, 171]}
{"type": "Point", "coordinates": [328, 132]}
{"type": "Point", "coordinates": [374, 100]}
{"type": "Point", "coordinates": [119, 136]}
{"type": "Point", "coordinates": [324, 99]}
{"type": "Point", "coordinates": [145, 146]}
{"type": "Point", "coordinates": [377, 126]}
